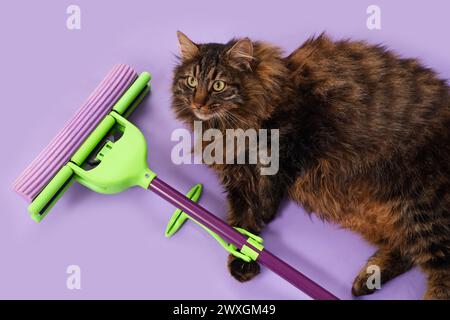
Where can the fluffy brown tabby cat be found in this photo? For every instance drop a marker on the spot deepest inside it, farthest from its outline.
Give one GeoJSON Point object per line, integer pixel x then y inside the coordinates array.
{"type": "Point", "coordinates": [364, 142]}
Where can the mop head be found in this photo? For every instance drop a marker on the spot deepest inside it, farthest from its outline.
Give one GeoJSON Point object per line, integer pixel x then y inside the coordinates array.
{"type": "Point", "coordinates": [108, 96]}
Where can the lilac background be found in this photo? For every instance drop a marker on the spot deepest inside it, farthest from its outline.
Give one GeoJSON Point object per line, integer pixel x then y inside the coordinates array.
{"type": "Point", "coordinates": [46, 71]}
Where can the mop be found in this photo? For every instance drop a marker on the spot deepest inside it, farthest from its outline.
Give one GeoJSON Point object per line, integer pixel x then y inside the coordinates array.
{"type": "Point", "coordinates": [100, 149]}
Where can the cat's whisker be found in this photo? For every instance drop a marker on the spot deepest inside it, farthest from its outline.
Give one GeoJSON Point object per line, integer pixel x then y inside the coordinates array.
{"type": "Point", "coordinates": [230, 97]}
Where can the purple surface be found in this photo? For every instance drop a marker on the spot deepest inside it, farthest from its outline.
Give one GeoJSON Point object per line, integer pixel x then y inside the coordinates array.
{"type": "Point", "coordinates": [118, 241]}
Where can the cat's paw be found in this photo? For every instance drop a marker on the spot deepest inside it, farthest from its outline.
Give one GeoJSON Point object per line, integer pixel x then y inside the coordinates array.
{"type": "Point", "coordinates": [441, 292]}
{"type": "Point", "coordinates": [241, 270]}
{"type": "Point", "coordinates": [359, 287]}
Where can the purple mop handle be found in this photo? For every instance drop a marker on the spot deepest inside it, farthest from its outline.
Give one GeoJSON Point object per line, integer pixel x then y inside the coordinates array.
{"type": "Point", "coordinates": [218, 226]}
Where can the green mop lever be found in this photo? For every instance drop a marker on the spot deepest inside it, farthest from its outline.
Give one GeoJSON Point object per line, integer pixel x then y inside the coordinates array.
{"type": "Point", "coordinates": [246, 253]}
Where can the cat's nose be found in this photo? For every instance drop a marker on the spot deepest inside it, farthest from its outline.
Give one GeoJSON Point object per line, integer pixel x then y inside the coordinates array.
{"type": "Point", "coordinates": [200, 98]}
{"type": "Point", "coordinates": [197, 105]}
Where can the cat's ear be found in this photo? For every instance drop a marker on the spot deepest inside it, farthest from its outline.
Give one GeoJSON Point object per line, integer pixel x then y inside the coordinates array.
{"type": "Point", "coordinates": [188, 48]}
{"type": "Point", "coordinates": [242, 52]}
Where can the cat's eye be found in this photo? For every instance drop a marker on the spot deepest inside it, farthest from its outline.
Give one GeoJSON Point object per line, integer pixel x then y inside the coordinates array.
{"type": "Point", "coordinates": [218, 85]}
{"type": "Point", "coordinates": [191, 82]}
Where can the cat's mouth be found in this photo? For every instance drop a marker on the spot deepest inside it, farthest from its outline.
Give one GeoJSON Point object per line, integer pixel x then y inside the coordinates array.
{"type": "Point", "coordinates": [204, 115]}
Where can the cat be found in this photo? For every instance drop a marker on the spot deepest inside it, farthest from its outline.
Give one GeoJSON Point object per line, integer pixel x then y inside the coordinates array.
{"type": "Point", "coordinates": [364, 142]}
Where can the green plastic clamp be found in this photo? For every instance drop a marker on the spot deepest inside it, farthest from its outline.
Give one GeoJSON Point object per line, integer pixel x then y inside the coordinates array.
{"type": "Point", "coordinates": [246, 253]}
{"type": "Point", "coordinates": [123, 164]}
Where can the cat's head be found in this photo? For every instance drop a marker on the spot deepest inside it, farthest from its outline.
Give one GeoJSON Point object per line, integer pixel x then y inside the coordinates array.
{"type": "Point", "coordinates": [226, 85]}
